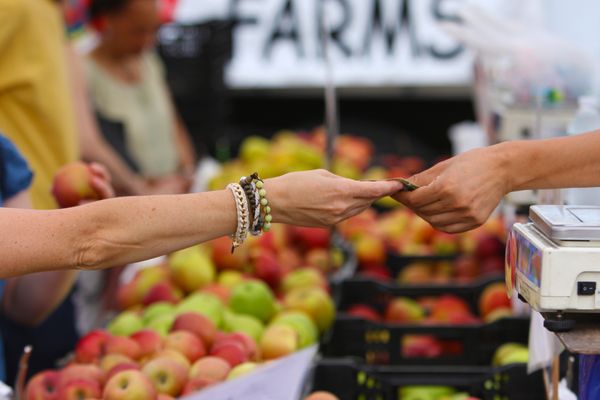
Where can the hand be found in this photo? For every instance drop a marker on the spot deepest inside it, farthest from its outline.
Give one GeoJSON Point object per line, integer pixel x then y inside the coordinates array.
{"type": "Point", "coordinates": [321, 199]}
{"type": "Point", "coordinates": [460, 193]}
{"type": "Point", "coordinates": [101, 181]}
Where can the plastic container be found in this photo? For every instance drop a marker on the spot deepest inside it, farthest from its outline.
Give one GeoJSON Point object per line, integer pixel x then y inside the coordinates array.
{"type": "Point", "coordinates": [384, 343]}
{"type": "Point", "coordinates": [587, 119]}
{"type": "Point", "coordinates": [350, 380]}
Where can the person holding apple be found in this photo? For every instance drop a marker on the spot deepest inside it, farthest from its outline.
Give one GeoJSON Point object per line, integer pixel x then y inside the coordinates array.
{"type": "Point", "coordinates": [460, 193]}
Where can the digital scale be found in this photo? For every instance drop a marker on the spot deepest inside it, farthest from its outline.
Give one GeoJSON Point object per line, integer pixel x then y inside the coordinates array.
{"type": "Point", "coordinates": [553, 262]}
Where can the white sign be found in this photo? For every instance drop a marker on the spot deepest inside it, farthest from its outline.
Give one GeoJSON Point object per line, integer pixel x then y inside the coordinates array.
{"type": "Point", "coordinates": [278, 43]}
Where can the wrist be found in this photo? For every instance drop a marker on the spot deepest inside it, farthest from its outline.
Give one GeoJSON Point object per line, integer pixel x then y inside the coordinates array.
{"type": "Point", "coordinates": [503, 154]}
{"type": "Point", "coordinates": [277, 201]}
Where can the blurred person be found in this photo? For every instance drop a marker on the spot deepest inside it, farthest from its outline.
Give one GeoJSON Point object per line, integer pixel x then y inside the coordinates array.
{"type": "Point", "coordinates": [129, 91]}
{"type": "Point", "coordinates": [460, 193]}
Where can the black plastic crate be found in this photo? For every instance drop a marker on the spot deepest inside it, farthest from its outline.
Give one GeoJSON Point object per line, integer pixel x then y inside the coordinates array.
{"type": "Point", "coordinates": [351, 380]}
{"type": "Point", "coordinates": [382, 342]}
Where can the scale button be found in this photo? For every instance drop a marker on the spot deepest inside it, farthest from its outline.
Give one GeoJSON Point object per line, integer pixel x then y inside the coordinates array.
{"type": "Point", "coordinates": [586, 288]}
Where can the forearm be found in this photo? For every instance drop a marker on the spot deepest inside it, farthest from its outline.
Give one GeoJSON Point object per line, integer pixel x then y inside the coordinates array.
{"type": "Point", "coordinates": [30, 299]}
{"type": "Point", "coordinates": [111, 232]}
{"type": "Point", "coordinates": [553, 163]}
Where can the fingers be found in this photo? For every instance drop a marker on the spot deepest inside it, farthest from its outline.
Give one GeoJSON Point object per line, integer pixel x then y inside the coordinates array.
{"type": "Point", "coordinates": [100, 171]}
{"type": "Point", "coordinates": [102, 187]}
{"type": "Point", "coordinates": [376, 190]}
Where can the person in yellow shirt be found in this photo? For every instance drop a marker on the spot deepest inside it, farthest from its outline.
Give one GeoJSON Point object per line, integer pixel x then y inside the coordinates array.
{"type": "Point", "coordinates": [36, 107]}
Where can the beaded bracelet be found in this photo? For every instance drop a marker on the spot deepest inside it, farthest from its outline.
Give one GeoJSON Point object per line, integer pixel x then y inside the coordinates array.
{"type": "Point", "coordinates": [243, 218]}
{"type": "Point", "coordinates": [255, 190]}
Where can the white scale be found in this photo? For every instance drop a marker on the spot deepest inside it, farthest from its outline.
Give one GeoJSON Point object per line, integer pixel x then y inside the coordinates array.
{"type": "Point", "coordinates": [553, 263]}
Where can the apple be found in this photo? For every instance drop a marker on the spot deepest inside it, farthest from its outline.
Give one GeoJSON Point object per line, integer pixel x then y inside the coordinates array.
{"type": "Point", "coordinates": [191, 268]}
{"type": "Point", "coordinates": [255, 148]}
{"type": "Point", "coordinates": [133, 292]}
{"type": "Point", "coordinates": [90, 348]}
{"type": "Point", "coordinates": [110, 361]}
{"type": "Point", "coordinates": [510, 353]}
{"type": "Point", "coordinates": [43, 386]}
{"type": "Point", "coordinates": [210, 368]}
{"type": "Point", "coordinates": [162, 396]}
{"type": "Point", "coordinates": [311, 238]}
{"type": "Point", "coordinates": [225, 259]}
{"type": "Point", "coordinates": [156, 309]}
{"type": "Point", "coordinates": [220, 291]}
{"type": "Point", "coordinates": [203, 303]}
{"type": "Point", "coordinates": [230, 278]}
{"type": "Point", "coordinates": [129, 385]}
{"type": "Point", "coordinates": [444, 243]}
{"type": "Point", "coordinates": [197, 324]}
{"type": "Point", "coordinates": [88, 372]}
{"type": "Point", "coordinates": [123, 345]}
{"type": "Point", "coordinates": [231, 351]}
{"type": "Point", "coordinates": [253, 298]}
{"type": "Point", "coordinates": [72, 184]}
{"type": "Point", "coordinates": [161, 324]}
{"type": "Point", "coordinates": [364, 311]}
{"type": "Point", "coordinates": [241, 370]}
{"type": "Point", "coordinates": [416, 273]}
{"type": "Point", "coordinates": [194, 385]}
{"type": "Point", "coordinates": [149, 341]}
{"type": "Point", "coordinates": [321, 395]}
{"type": "Point", "coordinates": [315, 302]}
{"type": "Point", "coordinates": [308, 333]}
{"type": "Point", "coordinates": [186, 343]}
{"type": "Point", "coordinates": [125, 324]}
{"type": "Point", "coordinates": [278, 341]}
{"type": "Point", "coordinates": [320, 259]}
{"type": "Point", "coordinates": [274, 240]}
{"type": "Point", "coordinates": [404, 310]}
{"type": "Point", "coordinates": [267, 268]}
{"type": "Point", "coordinates": [498, 313]}
{"type": "Point", "coordinates": [492, 265]}
{"type": "Point", "coordinates": [166, 374]}
{"type": "Point", "coordinates": [421, 346]}
{"type": "Point", "coordinates": [77, 389]}
{"type": "Point", "coordinates": [425, 392]}
{"type": "Point", "coordinates": [121, 367]}
{"type": "Point", "coordinates": [376, 271]}
{"type": "Point", "coordinates": [289, 259]}
{"type": "Point", "coordinates": [466, 267]}
{"type": "Point", "coordinates": [492, 298]}
{"type": "Point", "coordinates": [489, 246]}
{"type": "Point", "coordinates": [370, 250]}
{"type": "Point", "coordinates": [450, 307]}
{"type": "Point", "coordinates": [422, 231]}
{"type": "Point", "coordinates": [175, 355]}
{"type": "Point", "coordinates": [248, 343]}
{"type": "Point", "coordinates": [247, 324]}
{"type": "Point", "coordinates": [303, 278]}
{"type": "Point", "coordinates": [162, 292]}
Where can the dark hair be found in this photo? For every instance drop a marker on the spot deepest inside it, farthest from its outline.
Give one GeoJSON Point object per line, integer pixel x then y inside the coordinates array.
{"type": "Point", "coordinates": [101, 7]}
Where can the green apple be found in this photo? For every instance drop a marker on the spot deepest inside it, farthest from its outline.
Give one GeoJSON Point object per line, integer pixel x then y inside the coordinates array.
{"type": "Point", "coordinates": [308, 333]}
{"type": "Point", "coordinates": [254, 298]}
{"type": "Point", "coordinates": [156, 309]}
{"type": "Point", "coordinates": [315, 302]}
{"type": "Point", "coordinates": [125, 324]}
{"type": "Point", "coordinates": [161, 323]}
{"type": "Point", "coordinates": [247, 324]}
{"type": "Point", "coordinates": [206, 304]}
{"type": "Point", "coordinates": [518, 356]}
{"type": "Point", "coordinates": [301, 278]}
{"type": "Point", "coordinates": [254, 148]}
{"type": "Point", "coordinates": [506, 352]}
{"type": "Point", "coordinates": [425, 392]}
{"type": "Point", "coordinates": [192, 268]}
{"type": "Point", "coordinates": [230, 278]}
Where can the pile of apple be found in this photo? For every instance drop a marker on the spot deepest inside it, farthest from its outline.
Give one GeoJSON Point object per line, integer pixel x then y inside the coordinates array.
{"type": "Point", "coordinates": [184, 331]}
{"type": "Point", "coordinates": [377, 235]}
{"type": "Point", "coordinates": [443, 310]}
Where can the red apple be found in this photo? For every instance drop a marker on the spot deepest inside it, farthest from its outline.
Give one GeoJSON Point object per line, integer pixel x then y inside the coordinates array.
{"type": "Point", "coordinates": [90, 348]}
{"type": "Point", "coordinates": [221, 291]}
{"type": "Point", "coordinates": [492, 298]}
{"type": "Point", "coordinates": [231, 351]}
{"type": "Point", "coordinates": [289, 259]}
{"type": "Point", "coordinates": [197, 324]}
{"type": "Point", "coordinates": [148, 340]}
{"type": "Point", "coordinates": [364, 311]}
{"type": "Point", "coordinates": [321, 395]}
{"type": "Point", "coordinates": [43, 386]}
{"type": "Point", "coordinates": [186, 343]}
{"type": "Point", "coordinates": [72, 184]}
{"type": "Point", "coordinates": [370, 250]}
{"type": "Point", "coordinates": [416, 273]}
{"type": "Point", "coordinates": [162, 396]}
{"type": "Point", "coordinates": [225, 259]}
{"type": "Point", "coordinates": [88, 372]}
{"type": "Point", "coordinates": [166, 374]}
{"type": "Point", "coordinates": [376, 271]}
{"type": "Point", "coordinates": [249, 344]}
{"type": "Point", "coordinates": [129, 385]}
{"type": "Point", "coordinates": [123, 345]}
{"type": "Point", "coordinates": [110, 361]}
{"type": "Point", "coordinates": [77, 389]}
{"type": "Point", "coordinates": [421, 346]}
{"type": "Point", "coordinates": [319, 259]}
{"type": "Point", "coordinates": [266, 267]}
{"type": "Point", "coordinates": [210, 368]}
{"type": "Point", "coordinates": [162, 291]}
{"type": "Point", "coordinates": [121, 367]}
{"type": "Point", "coordinates": [196, 384]}
{"type": "Point", "coordinates": [311, 238]}
{"type": "Point", "coordinates": [466, 267]}
{"type": "Point", "coordinates": [450, 308]}
{"type": "Point", "coordinates": [404, 310]}
{"type": "Point", "coordinates": [489, 246]}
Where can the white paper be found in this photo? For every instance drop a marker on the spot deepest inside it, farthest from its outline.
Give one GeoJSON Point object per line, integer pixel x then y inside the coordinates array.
{"type": "Point", "coordinates": [279, 380]}
{"type": "Point", "coordinates": [543, 344]}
